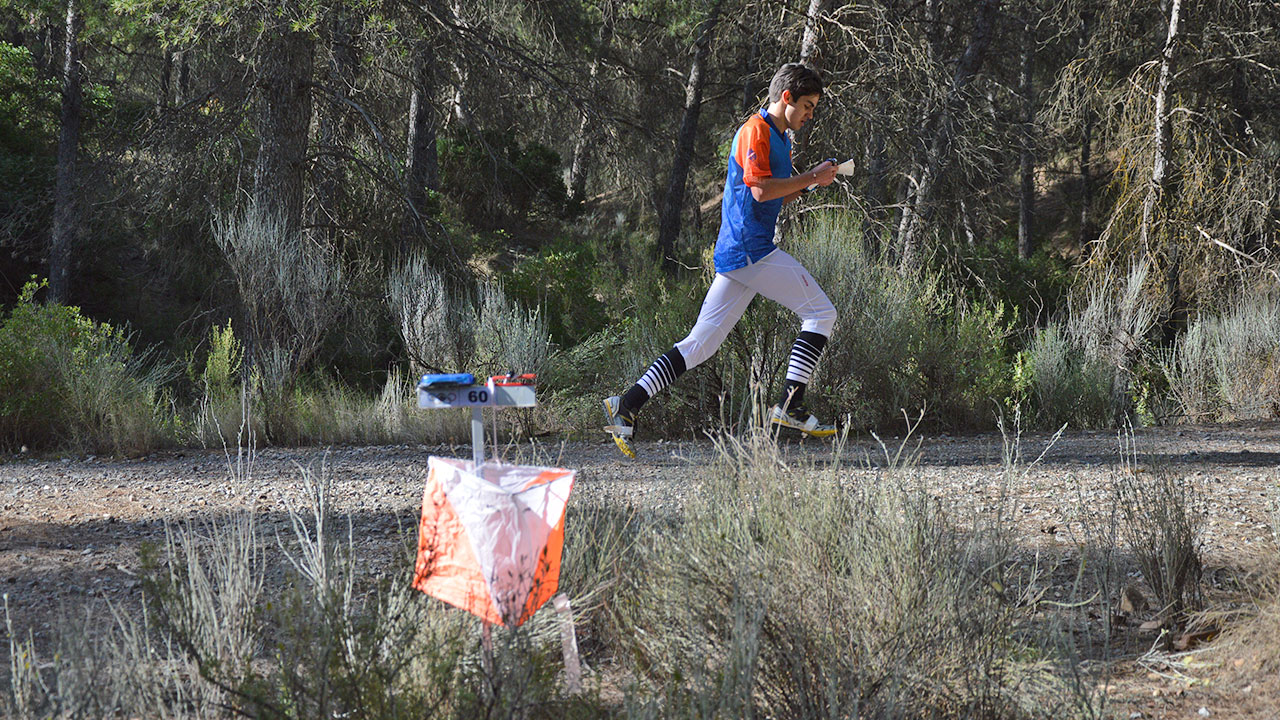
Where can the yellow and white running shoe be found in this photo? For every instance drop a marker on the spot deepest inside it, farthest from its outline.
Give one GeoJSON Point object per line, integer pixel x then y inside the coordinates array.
{"type": "Point", "coordinates": [620, 426]}
{"type": "Point", "coordinates": [799, 419]}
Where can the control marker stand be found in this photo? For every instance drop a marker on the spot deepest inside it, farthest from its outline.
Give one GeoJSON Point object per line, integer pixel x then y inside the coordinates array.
{"type": "Point", "coordinates": [477, 397]}
{"type": "Point", "coordinates": [461, 391]}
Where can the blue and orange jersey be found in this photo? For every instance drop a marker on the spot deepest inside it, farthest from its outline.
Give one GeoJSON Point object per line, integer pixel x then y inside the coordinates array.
{"type": "Point", "coordinates": [747, 226]}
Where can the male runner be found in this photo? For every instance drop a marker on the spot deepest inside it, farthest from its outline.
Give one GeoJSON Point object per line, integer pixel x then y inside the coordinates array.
{"type": "Point", "coordinates": [748, 262]}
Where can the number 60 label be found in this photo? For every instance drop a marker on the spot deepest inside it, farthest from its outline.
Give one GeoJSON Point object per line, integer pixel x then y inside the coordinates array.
{"type": "Point", "coordinates": [477, 396]}
{"type": "Point", "coordinates": [462, 397]}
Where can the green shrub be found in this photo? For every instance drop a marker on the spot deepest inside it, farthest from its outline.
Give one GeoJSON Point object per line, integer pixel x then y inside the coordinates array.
{"type": "Point", "coordinates": [901, 341]}
{"type": "Point", "coordinates": [561, 278]}
{"type": "Point", "coordinates": [1063, 383]}
{"type": "Point", "coordinates": [610, 360]}
{"type": "Point", "coordinates": [67, 381]}
{"type": "Point", "coordinates": [221, 375]}
{"type": "Point", "coordinates": [499, 183]}
{"type": "Point", "coordinates": [1036, 285]}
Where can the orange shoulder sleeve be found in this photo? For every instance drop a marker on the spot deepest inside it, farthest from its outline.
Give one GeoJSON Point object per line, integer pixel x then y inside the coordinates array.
{"type": "Point", "coordinates": [753, 152]}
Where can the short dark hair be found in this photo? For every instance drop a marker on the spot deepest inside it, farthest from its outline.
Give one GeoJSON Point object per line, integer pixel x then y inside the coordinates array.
{"type": "Point", "coordinates": [799, 78]}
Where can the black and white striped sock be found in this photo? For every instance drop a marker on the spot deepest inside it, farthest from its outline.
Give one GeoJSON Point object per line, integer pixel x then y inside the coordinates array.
{"type": "Point", "coordinates": [804, 358]}
{"type": "Point", "coordinates": [669, 366]}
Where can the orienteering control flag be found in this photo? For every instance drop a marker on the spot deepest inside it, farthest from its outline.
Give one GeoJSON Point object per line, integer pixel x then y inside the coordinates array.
{"type": "Point", "coordinates": [490, 541]}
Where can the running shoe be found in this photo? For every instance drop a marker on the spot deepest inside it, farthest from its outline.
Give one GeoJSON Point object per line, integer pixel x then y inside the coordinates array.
{"type": "Point", "coordinates": [799, 419]}
{"type": "Point", "coordinates": [621, 426]}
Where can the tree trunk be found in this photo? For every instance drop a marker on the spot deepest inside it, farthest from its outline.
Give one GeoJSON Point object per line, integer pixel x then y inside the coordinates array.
{"type": "Point", "coordinates": [876, 161]}
{"type": "Point", "coordinates": [929, 111]}
{"type": "Point", "coordinates": [459, 100]}
{"type": "Point", "coordinates": [809, 36]}
{"type": "Point", "coordinates": [750, 95]}
{"type": "Point", "coordinates": [421, 171]}
{"type": "Point", "coordinates": [66, 201]}
{"type": "Point", "coordinates": [1163, 131]}
{"type": "Point", "coordinates": [1087, 234]}
{"type": "Point", "coordinates": [673, 202]}
{"type": "Point", "coordinates": [284, 118]}
{"type": "Point", "coordinates": [1026, 170]}
{"type": "Point", "coordinates": [174, 92]}
{"type": "Point", "coordinates": [335, 126]}
{"type": "Point", "coordinates": [166, 72]}
{"type": "Point", "coordinates": [918, 206]}
{"type": "Point", "coordinates": [932, 30]}
{"type": "Point", "coordinates": [1086, 181]}
{"type": "Point", "coordinates": [809, 56]}
{"type": "Point", "coordinates": [183, 90]}
{"type": "Point", "coordinates": [1157, 190]}
{"type": "Point", "coordinates": [966, 223]}
{"type": "Point", "coordinates": [1241, 107]}
{"type": "Point", "coordinates": [583, 140]}
{"type": "Point", "coordinates": [44, 55]}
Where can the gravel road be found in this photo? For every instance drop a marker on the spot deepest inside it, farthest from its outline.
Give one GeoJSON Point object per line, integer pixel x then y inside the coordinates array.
{"type": "Point", "coordinates": [71, 528]}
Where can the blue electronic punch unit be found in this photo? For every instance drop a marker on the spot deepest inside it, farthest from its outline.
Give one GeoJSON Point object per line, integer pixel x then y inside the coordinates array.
{"type": "Point", "coordinates": [447, 380]}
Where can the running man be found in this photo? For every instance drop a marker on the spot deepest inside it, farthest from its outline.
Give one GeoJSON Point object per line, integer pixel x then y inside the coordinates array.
{"type": "Point", "coordinates": [759, 183]}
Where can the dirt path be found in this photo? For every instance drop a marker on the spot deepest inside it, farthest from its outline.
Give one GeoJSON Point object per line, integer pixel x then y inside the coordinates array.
{"type": "Point", "coordinates": [71, 529]}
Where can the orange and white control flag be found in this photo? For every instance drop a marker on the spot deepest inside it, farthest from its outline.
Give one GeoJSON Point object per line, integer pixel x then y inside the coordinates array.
{"type": "Point", "coordinates": [490, 541]}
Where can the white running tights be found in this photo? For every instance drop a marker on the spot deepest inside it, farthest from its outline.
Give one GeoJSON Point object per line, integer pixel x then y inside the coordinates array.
{"type": "Point", "coordinates": [777, 276]}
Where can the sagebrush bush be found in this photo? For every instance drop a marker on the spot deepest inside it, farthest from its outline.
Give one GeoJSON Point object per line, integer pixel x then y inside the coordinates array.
{"type": "Point", "coordinates": [1226, 365]}
{"type": "Point", "coordinates": [1165, 535]}
{"type": "Point", "coordinates": [780, 587]}
{"type": "Point", "coordinates": [451, 328]}
{"type": "Point", "coordinates": [1080, 369]}
{"type": "Point", "coordinates": [1250, 646]}
{"type": "Point", "coordinates": [291, 625]}
{"type": "Point", "coordinates": [290, 287]}
{"type": "Point", "coordinates": [69, 382]}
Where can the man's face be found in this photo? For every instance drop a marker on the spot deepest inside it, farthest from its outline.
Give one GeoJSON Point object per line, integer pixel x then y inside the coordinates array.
{"type": "Point", "coordinates": [800, 110]}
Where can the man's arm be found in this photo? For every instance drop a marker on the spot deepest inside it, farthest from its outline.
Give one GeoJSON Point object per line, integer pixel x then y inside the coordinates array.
{"type": "Point", "coordinates": [768, 188]}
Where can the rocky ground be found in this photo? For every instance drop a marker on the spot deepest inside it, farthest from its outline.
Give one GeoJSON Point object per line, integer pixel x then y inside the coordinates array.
{"type": "Point", "coordinates": [71, 528]}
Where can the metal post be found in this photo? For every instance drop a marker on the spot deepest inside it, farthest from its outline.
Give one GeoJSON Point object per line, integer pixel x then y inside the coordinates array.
{"type": "Point", "coordinates": [569, 645]}
{"type": "Point", "coordinates": [477, 437]}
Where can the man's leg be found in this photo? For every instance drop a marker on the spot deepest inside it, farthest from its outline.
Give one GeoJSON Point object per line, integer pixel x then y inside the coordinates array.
{"type": "Point", "coordinates": [804, 358]}
{"type": "Point", "coordinates": [726, 300]}
{"type": "Point", "coordinates": [783, 279]}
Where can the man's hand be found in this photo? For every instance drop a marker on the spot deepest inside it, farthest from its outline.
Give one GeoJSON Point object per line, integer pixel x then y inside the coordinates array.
{"type": "Point", "coordinates": [822, 174]}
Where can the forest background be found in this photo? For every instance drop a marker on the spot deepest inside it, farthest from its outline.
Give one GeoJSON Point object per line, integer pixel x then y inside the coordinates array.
{"type": "Point", "coordinates": [251, 222]}
{"type": "Point", "coordinates": [286, 211]}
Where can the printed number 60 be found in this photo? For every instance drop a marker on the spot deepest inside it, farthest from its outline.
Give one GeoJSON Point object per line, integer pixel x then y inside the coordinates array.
{"type": "Point", "coordinates": [478, 396]}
